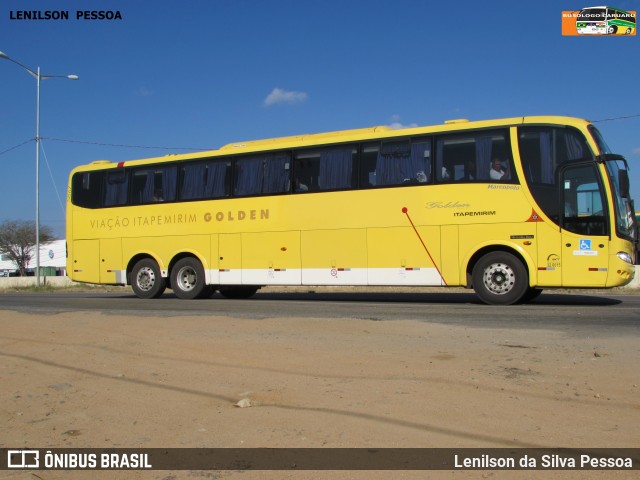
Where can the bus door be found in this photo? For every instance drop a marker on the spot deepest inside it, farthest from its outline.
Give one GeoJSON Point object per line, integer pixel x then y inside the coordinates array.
{"type": "Point", "coordinates": [584, 227]}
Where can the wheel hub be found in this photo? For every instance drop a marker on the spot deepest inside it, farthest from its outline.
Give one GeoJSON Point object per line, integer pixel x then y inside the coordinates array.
{"type": "Point", "coordinates": [499, 278]}
{"type": "Point", "coordinates": [146, 279]}
{"type": "Point", "coordinates": [187, 279]}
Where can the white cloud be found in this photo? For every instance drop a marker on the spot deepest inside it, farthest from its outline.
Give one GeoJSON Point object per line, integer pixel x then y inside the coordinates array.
{"type": "Point", "coordinates": [397, 125]}
{"type": "Point", "coordinates": [145, 92]}
{"type": "Point", "coordinates": [636, 151]}
{"type": "Point", "coordinates": [278, 95]}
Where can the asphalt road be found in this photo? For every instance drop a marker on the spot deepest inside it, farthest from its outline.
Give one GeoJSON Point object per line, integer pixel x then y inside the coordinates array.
{"type": "Point", "coordinates": [587, 314]}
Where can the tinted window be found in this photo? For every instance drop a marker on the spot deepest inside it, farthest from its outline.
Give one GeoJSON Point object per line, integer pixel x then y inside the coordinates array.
{"type": "Point", "coordinates": [332, 168]}
{"type": "Point", "coordinates": [154, 184]}
{"type": "Point", "coordinates": [403, 163]}
{"type": "Point", "coordinates": [543, 151]}
{"type": "Point", "coordinates": [480, 156]}
{"type": "Point", "coordinates": [262, 174]}
{"type": "Point", "coordinates": [597, 136]}
{"type": "Point", "coordinates": [115, 188]}
{"type": "Point", "coordinates": [208, 179]}
{"type": "Point", "coordinates": [86, 188]}
{"type": "Point", "coordinates": [583, 211]}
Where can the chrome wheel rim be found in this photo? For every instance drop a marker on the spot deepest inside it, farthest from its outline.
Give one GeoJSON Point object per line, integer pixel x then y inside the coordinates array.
{"type": "Point", "coordinates": [499, 278]}
{"type": "Point", "coordinates": [146, 279]}
{"type": "Point", "coordinates": [187, 279]}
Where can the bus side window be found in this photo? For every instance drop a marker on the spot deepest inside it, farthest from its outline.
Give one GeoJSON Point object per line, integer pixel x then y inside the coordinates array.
{"type": "Point", "coordinates": [86, 189]}
{"type": "Point", "coordinates": [468, 158]}
{"type": "Point", "coordinates": [332, 168]}
{"type": "Point", "coordinates": [544, 151]}
{"type": "Point", "coordinates": [166, 183]}
{"type": "Point", "coordinates": [305, 171]}
{"type": "Point", "coordinates": [201, 180]}
{"type": "Point", "coordinates": [151, 185]}
{"type": "Point", "coordinates": [115, 188]}
{"type": "Point", "coordinates": [368, 161]}
{"type": "Point", "coordinates": [403, 163]}
{"type": "Point", "coordinates": [263, 174]}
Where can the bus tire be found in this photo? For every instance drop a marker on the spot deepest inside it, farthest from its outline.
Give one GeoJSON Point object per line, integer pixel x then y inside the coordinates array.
{"type": "Point", "coordinates": [500, 278]}
{"type": "Point", "coordinates": [239, 292]}
{"type": "Point", "coordinates": [187, 279]}
{"type": "Point", "coordinates": [146, 279]}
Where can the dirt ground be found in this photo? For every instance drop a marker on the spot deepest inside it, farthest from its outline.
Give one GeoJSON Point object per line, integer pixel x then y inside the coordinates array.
{"type": "Point", "coordinates": [91, 381]}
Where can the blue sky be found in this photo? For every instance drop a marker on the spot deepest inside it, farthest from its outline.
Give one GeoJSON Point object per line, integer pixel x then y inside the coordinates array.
{"type": "Point", "coordinates": [203, 73]}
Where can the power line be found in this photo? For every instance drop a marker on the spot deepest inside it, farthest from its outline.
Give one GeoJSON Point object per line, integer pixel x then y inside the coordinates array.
{"type": "Point", "coordinates": [17, 146]}
{"type": "Point", "coordinates": [200, 149]}
{"type": "Point", "coordinates": [616, 118]}
{"type": "Point", "coordinates": [55, 187]}
{"type": "Point", "coordinates": [124, 146]}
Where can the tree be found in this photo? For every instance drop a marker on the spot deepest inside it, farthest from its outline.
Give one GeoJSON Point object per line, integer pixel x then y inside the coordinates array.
{"type": "Point", "coordinates": [18, 241]}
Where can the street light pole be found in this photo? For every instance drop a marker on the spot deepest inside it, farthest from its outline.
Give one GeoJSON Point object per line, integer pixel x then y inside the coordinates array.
{"type": "Point", "coordinates": [38, 76]}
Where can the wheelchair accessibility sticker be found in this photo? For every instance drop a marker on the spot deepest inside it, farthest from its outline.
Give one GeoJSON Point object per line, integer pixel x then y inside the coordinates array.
{"type": "Point", "coordinates": [585, 249]}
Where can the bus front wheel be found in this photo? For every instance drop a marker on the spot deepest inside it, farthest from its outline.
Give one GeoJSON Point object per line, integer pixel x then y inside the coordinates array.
{"type": "Point", "coordinates": [187, 279]}
{"type": "Point", "coordinates": [146, 279]}
{"type": "Point", "coordinates": [500, 278]}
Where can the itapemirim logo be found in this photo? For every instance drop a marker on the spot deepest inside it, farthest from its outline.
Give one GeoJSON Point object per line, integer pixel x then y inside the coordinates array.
{"type": "Point", "coordinates": [598, 21]}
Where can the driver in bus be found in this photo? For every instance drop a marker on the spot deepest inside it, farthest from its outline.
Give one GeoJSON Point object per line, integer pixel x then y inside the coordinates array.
{"type": "Point", "coordinates": [497, 173]}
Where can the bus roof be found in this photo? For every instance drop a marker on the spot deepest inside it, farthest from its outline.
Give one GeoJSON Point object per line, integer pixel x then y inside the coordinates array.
{"type": "Point", "coordinates": [313, 138]}
{"type": "Point", "coordinates": [343, 136]}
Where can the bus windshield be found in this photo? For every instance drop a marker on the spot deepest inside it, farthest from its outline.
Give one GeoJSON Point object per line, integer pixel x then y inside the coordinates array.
{"type": "Point", "coordinates": [624, 220]}
{"type": "Point", "coordinates": [617, 169]}
{"type": "Point", "coordinates": [599, 139]}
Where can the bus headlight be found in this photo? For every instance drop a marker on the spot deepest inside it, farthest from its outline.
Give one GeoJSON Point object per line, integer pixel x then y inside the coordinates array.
{"type": "Point", "coordinates": [625, 257]}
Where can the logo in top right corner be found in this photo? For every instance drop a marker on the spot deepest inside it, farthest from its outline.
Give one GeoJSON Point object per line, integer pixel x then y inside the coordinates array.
{"type": "Point", "coordinates": [599, 21]}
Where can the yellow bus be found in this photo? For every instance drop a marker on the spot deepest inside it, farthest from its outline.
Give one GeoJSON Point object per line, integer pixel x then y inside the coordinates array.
{"type": "Point", "coordinates": [506, 207]}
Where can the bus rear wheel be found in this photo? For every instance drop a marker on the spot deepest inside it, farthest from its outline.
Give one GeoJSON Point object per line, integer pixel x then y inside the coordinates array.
{"type": "Point", "coordinates": [499, 278]}
{"type": "Point", "coordinates": [187, 279]}
{"type": "Point", "coordinates": [146, 279]}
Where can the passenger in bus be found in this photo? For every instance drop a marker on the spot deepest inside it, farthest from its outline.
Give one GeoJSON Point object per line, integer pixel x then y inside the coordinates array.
{"type": "Point", "coordinates": [469, 171]}
{"type": "Point", "coordinates": [157, 196]}
{"type": "Point", "coordinates": [420, 177]}
{"type": "Point", "coordinates": [299, 186]}
{"type": "Point", "coordinates": [497, 173]}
